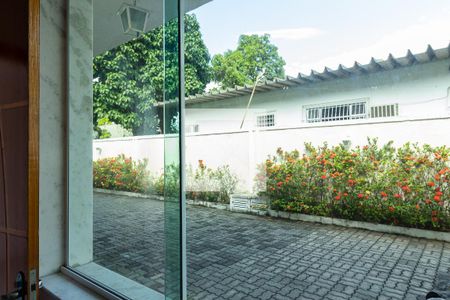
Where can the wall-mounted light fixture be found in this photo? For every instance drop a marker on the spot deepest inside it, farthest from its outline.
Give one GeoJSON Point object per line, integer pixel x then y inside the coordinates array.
{"type": "Point", "coordinates": [134, 19]}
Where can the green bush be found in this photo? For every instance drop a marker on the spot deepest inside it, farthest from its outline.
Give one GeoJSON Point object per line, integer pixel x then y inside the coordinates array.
{"type": "Point", "coordinates": [213, 185]}
{"type": "Point", "coordinates": [121, 174]}
{"type": "Point", "coordinates": [203, 184]}
{"type": "Point", "coordinates": [408, 186]}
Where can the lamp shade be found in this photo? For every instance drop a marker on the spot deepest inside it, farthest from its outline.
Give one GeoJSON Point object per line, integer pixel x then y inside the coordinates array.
{"type": "Point", "coordinates": [133, 18]}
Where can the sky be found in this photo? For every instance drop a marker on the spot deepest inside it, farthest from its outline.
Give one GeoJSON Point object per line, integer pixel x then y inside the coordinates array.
{"type": "Point", "coordinates": [312, 34]}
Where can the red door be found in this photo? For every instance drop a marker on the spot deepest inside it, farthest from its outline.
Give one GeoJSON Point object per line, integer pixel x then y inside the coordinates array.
{"type": "Point", "coordinates": [18, 192]}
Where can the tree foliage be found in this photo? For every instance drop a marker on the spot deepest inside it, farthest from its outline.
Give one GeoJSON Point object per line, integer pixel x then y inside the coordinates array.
{"type": "Point", "coordinates": [241, 66]}
{"type": "Point", "coordinates": [129, 79]}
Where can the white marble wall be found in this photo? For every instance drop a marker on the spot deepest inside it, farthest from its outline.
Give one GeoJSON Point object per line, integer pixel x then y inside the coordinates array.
{"type": "Point", "coordinates": [80, 45]}
{"type": "Point", "coordinates": [52, 136]}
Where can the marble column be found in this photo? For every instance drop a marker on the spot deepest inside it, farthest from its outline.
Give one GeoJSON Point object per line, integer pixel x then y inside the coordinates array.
{"type": "Point", "coordinates": [80, 53]}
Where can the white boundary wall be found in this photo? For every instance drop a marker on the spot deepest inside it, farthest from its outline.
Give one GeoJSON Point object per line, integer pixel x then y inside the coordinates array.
{"type": "Point", "coordinates": [242, 150]}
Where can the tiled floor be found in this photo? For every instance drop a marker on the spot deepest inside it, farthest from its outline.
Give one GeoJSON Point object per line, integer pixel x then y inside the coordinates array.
{"type": "Point", "coordinates": [238, 256]}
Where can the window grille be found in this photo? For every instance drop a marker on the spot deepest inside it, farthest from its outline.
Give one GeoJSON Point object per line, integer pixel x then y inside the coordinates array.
{"type": "Point", "coordinates": [267, 120]}
{"type": "Point", "coordinates": [192, 128]}
{"type": "Point", "coordinates": [336, 112]}
{"type": "Point", "coordinates": [384, 111]}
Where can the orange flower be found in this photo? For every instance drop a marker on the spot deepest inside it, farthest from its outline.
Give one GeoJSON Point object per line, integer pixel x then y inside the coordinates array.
{"type": "Point", "coordinates": [430, 184]}
{"type": "Point", "coordinates": [406, 188]}
{"type": "Point", "coordinates": [279, 184]}
{"type": "Point", "coordinates": [437, 198]}
{"type": "Point", "coordinates": [345, 194]}
{"type": "Point", "coordinates": [397, 196]}
{"type": "Point", "coordinates": [354, 154]}
{"type": "Point", "coordinates": [417, 206]}
{"type": "Point", "coordinates": [391, 208]}
{"type": "Point", "coordinates": [383, 194]}
{"type": "Point", "coordinates": [337, 197]}
{"type": "Point", "coordinates": [437, 177]}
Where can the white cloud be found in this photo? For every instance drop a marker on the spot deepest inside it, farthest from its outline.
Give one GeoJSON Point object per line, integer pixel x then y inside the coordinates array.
{"type": "Point", "coordinates": [292, 34]}
{"type": "Point", "coordinates": [415, 37]}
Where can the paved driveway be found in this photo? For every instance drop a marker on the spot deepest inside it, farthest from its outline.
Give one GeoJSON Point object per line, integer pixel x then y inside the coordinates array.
{"type": "Point", "coordinates": [238, 256]}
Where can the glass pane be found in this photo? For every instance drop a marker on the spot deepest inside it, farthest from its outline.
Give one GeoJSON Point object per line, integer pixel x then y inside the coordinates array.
{"type": "Point", "coordinates": [173, 183]}
{"type": "Point", "coordinates": [124, 209]}
{"type": "Point", "coordinates": [360, 140]}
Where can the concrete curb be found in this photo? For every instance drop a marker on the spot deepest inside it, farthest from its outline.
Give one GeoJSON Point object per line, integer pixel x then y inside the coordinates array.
{"type": "Point", "coordinates": [412, 232]}
{"type": "Point", "coordinates": [161, 198]}
{"type": "Point", "coordinates": [123, 193]}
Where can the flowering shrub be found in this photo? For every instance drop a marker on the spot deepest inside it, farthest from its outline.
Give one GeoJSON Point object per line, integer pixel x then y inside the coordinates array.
{"type": "Point", "coordinates": [203, 183]}
{"type": "Point", "coordinates": [206, 184]}
{"type": "Point", "coordinates": [122, 174]}
{"type": "Point", "coordinates": [408, 186]}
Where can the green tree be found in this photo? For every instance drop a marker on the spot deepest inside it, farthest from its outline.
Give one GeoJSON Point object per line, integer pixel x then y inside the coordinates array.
{"type": "Point", "coordinates": [129, 79]}
{"type": "Point", "coordinates": [241, 66]}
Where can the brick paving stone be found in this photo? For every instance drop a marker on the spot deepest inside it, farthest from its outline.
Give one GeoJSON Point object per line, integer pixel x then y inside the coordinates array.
{"type": "Point", "coordinates": [239, 256]}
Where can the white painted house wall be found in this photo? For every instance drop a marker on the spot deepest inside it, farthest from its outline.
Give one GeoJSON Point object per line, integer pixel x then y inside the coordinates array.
{"type": "Point", "coordinates": [420, 90]}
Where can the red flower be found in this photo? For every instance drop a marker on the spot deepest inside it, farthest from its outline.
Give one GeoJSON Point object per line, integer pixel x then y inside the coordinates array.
{"type": "Point", "coordinates": [345, 194]}
{"type": "Point", "coordinates": [351, 182]}
{"type": "Point", "coordinates": [437, 198]}
{"type": "Point", "coordinates": [383, 194]}
{"type": "Point", "coordinates": [391, 208]}
{"type": "Point", "coordinates": [406, 188]}
{"type": "Point", "coordinates": [360, 195]}
{"type": "Point", "coordinates": [324, 176]}
{"type": "Point", "coordinates": [337, 197]}
{"type": "Point", "coordinates": [438, 193]}
{"type": "Point", "coordinates": [428, 201]}
{"type": "Point", "coordinates": [430, 184]}
{"type": "Point", "coordinates": [280, 184]}
{"type": "Point", "coordinates": [434, 219]}
{"type": "Point", "coordinates": [397, 196]}
{"type": "Point", "coordinates": [417, 206]}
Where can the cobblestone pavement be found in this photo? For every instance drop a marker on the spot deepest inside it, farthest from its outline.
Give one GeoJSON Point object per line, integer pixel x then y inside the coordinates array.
{"type": "Point", "coordinates": [238, 256]}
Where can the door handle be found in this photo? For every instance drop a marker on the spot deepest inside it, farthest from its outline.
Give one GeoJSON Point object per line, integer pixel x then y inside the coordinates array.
{"type": "Point", "coordinates": [21, 289]}
{"type": "Point", "coordinates": [11, 296]}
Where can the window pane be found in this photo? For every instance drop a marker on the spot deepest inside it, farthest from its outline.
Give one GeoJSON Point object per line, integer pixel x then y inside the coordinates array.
{"type": "Point", "coordinates": [361, 114]}
{"type": "Point", "coordinates": [124, 175]}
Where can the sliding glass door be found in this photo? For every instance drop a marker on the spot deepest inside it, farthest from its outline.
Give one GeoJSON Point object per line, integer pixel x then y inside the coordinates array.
{"type": "Point", "coordinates": [125, 190]}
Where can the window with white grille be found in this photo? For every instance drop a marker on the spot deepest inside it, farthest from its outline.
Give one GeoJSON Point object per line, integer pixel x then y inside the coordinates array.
{"type": "Point", "coordinates": [191, 128]}
{"type": "Point", "coordinates": [336, 112]}
{"type": "Point", "coordinates": [266, 120]}
{"type": "Point", "coordinates": [384, 111]}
